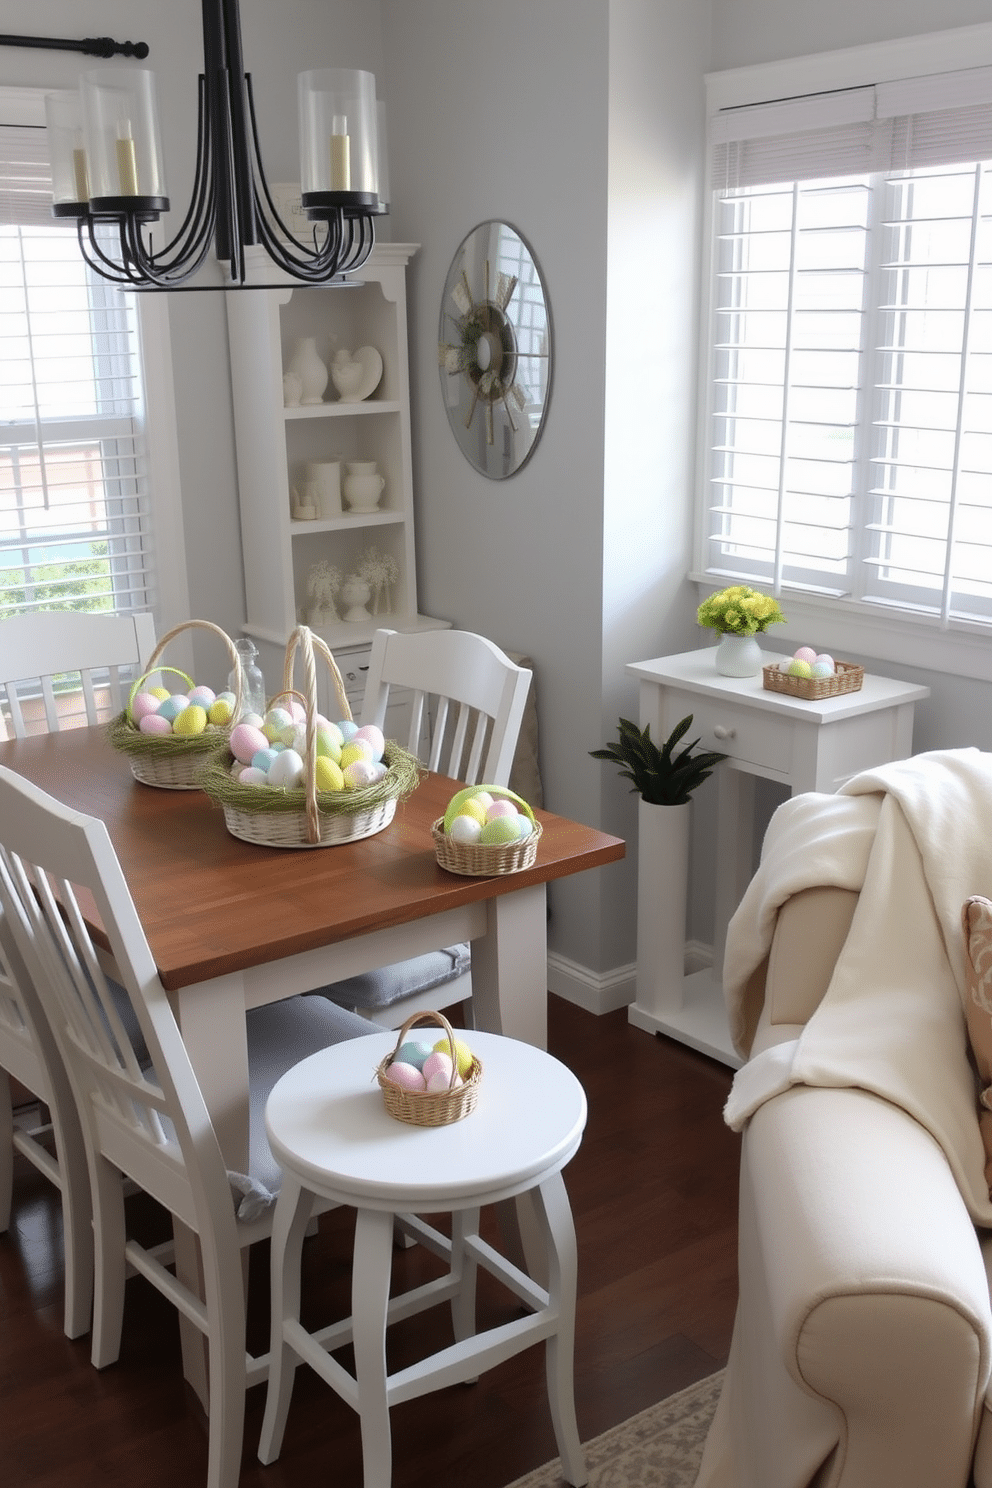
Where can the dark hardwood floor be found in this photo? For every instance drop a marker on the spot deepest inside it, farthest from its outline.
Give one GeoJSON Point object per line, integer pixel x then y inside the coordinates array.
{"type": "Point", "coordinates": [654, 1194]}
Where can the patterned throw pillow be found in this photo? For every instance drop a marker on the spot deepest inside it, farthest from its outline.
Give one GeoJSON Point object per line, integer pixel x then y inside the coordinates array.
{"type": "Point", "coordinates": [977, 921]}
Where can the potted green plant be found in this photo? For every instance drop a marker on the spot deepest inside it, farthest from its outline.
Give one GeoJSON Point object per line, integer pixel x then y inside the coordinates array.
{"type": "Point", "coordinates": [661, 777]}
{"type": "Point", "coordinates": [738, 614]}
{"type": "Point", "coordinates": [664, 777]}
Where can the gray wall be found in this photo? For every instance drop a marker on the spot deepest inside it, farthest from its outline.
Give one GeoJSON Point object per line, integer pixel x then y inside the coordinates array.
{"type": "Point", "coordinates": [581, 123]}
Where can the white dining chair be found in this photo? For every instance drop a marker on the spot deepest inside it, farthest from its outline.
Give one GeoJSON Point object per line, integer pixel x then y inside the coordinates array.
{"type": "Point", "coordinates": [142, 1114]}
{"type": "Point", "coordinates": [88, 654]}
{"type": "Point", "coordinates": [466, 701]}
{"type": "Point", "coordinates": [85, 652]}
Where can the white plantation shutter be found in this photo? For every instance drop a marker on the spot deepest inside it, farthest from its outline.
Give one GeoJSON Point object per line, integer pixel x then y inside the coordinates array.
{"type": "Point", "coordinates": [74, 509]}
{"type": "Point", "coordinates": [850, 422]}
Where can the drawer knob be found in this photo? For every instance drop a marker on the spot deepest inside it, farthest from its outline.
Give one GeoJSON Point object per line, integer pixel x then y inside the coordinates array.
{"type": "Point", "coordinates": [720, 731]}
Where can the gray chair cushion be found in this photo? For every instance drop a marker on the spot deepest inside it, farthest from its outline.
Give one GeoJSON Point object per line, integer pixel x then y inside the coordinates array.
{"type": "Point", "coordinates": [279, 1036]}
{"type": "Point", "coordinates": [380, 988]}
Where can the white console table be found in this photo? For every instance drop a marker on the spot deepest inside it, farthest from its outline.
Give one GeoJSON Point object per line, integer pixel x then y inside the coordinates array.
{"type": "Point", "coordinates": [806, 746]}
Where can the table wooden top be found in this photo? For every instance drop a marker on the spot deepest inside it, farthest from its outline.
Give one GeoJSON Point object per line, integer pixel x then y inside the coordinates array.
{"type": "Point", "coordinates": [211, 904]}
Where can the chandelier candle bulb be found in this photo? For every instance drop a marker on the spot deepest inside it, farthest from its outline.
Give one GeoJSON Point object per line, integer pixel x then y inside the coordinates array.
{"type": "Point", "coordinates": [127, 164]}
{"type": "Point", "coordinates": [340, 155]}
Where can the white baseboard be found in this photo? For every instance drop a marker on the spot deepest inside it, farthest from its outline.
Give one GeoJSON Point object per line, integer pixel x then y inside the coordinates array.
{"type": "Point", "coordinates": [604, 992]}
{"type": "Point", "coordinates": [597, 992]}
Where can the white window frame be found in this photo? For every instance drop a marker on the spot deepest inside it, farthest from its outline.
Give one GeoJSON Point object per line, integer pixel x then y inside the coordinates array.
{"type": "Point", "coordinates": [841, 625]}
{"type": "Point", "coordinates": [27, 106]}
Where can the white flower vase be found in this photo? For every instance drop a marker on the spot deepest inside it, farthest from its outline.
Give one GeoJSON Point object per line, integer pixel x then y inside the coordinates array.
{"type": "Point", "coordinates": [311, 371]}
{"type": "Point", "coordinates": [355, 595]}
{"type": "Point", "coordinates": [738, 656]}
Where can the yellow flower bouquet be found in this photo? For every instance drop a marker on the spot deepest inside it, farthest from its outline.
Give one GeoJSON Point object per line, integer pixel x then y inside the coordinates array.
{"type": "Point", "coordinates": [740, 611]}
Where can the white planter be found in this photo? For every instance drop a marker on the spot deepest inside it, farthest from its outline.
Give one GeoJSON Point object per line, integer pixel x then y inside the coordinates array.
{"type": "Point", "coordinates": [738, 656]}
{"type": "Point", "coordinates": [662, 875]}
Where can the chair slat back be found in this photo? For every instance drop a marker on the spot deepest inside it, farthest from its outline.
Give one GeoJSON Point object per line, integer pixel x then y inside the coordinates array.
{"type": "Point", "coordinates": [133, 1082]}
{"type": "Point", "coordinates": [468, 700]}
{"type": "Point", "coordinates": [52, 660]}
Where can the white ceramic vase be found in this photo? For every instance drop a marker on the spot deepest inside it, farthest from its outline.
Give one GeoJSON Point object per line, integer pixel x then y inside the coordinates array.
{"type": "Point", "coordinates": [307, 365]}
{"type": "Point", "coordinates": [362, 485]}
{"type": "Point", "coordinates": [355, 595]}
{"type": "Point", "coordinates": [738, 656]}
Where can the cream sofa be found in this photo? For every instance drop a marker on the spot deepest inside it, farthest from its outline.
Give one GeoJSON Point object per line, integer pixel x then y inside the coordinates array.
{"type": "Point", "coordinates": [863, 1341]}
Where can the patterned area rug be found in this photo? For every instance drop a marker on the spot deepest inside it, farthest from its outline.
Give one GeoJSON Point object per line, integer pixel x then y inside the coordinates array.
{"type": "Point", "coordinates": [659, 1448]}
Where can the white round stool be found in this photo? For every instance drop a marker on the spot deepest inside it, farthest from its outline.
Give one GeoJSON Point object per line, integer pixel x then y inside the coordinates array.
{"type": "Point", "coordinates": [331, 1133]}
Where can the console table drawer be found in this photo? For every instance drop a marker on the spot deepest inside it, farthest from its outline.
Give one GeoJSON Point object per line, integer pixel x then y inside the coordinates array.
{"type": "Point", "coordinates": [745, 734]}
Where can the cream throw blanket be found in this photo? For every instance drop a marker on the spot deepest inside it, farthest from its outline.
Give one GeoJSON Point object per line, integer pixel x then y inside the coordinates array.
{"type": "Point", "coordinates": [914, 838]}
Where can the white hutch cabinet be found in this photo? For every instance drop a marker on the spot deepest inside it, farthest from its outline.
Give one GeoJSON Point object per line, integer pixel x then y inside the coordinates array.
{"type": "Point", "coordinates": [276, 443]}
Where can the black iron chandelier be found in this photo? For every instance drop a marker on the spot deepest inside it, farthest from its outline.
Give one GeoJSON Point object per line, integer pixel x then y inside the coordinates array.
{"type": "Point", "coordinates": [108, 172]}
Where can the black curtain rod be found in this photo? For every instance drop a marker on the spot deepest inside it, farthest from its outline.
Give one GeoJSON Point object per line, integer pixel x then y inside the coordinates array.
{"type": "Point", "coordinates": [93, 46]}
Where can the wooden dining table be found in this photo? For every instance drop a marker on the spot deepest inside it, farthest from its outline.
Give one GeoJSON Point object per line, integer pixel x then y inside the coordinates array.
{"type": "Point", "coordinates": [232, 926]}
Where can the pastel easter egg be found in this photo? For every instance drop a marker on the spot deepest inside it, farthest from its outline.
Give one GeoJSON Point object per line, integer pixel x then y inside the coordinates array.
{"type": "Point", "coordinates": [825, 659]}
{"type": "Point", "coordinates": [359, 774]}
{"type": "Point", "coordinates": [154, 723]}
{"type": "Point", "coordinates": [821, 669]}
{"type": "Point", "coordinates": [800, 668]}
{"type": "Point", "coordinates": [202, 695]}
{"type": "Point", "coordinates": [414, 1051]}
{"type": "Point", "coordinates": [356, 749]}
{"type": "Point", "coordinates": [405, 1076]}
{"type": "Point", "coordinates": [172, 706]}
{"type": "Point", "coordinates": [437, 1063]}
{"type": "Point", "coordinates": [439, 1083]}
{"type": "Point", "coordinates": [378, 768]}
{"type": "Point", "coordinates": [143, 704]}
{"type": "Point", "coordinates": [250, 775]}
{"type": "Point", "coordinates": [466, 829]}
{"type": "Point", "coordinates": [375, 737]}
{"type": "Point", "coordinates": [498, 831]}
{"type": "Point", "coordinates": [159, 692]}
{"type": "Point", "coordinates": [501, 808]}
{"type": "Point", "coordinates": [220, 712]}
{"type": "Point", "coordinates": [804, 653]}
{"type": "Point", "coordinates": [329, 741]}
{"type": "Point", "coordinates": [470, 808]}
{"type": "Point", "coordinates": [296, 710]}
{"type": "Point", "coordinates": [348, 728]}
{"type": "Point", "coordinates": [327, 775]}
{"type": "Point", "coordinates": [246, 741]}
{"type": "Point", "coordinates": [463, 1054]}
{"type": "Point", "coordinates": [263, 759]}
{"type": "Point", "coordinates": [785, 665]}
{"type": "Point", "coordinates": [227, 696]}
{"type": "Point", "coordinates": [276, 719]}
{"type": "Point", "coordinates": [191, 721]}
{"type": "Point", "coordinates": [524, 827]}
{"type": "Point", "coordinates": [286, 770]}
{"type": "Point", "coordinates": [255, 719]}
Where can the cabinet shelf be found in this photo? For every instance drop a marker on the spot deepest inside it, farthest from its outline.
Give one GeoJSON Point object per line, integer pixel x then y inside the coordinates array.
{"type": "Point", "coordinates": [369, 407]}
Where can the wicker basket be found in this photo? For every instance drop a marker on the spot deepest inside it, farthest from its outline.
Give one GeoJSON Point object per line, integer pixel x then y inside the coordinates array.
{"type": "Point", "coordinates": [171, 761]}
{"type": "Point", "coordinates": [476, 861]}
{"type": "Point", "coordinates": [421, 1107]}
{"type": "Point", "coordinates": [847, 677]}
{"type": "Point", "coordinates": [306, 817]}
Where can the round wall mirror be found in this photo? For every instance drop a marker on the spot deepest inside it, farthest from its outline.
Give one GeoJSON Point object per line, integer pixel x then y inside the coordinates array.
{"type": "Point", "coordinates": [494, 349]}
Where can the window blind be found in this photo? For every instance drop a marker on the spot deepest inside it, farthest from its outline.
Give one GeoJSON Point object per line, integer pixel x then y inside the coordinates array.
{"type": "Point", "coordinates": [75, 530]}
{"type": "Point", "coordinates": [850, 448]}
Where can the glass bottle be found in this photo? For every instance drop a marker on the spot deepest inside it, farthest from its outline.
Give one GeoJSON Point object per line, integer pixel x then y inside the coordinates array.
{"type": "Point", "coordinates": [253, 685]}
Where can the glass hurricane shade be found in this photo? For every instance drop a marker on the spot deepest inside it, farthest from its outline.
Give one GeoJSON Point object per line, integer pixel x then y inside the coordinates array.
{"type": "Point", "coordinates": [123, 142]}
{"type": "Point", "coordinates": [105, 142]}
{"type": "Point", "coordinates": [339, 157]}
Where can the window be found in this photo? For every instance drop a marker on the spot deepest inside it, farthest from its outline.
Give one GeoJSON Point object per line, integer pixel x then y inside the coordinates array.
{"type": "Point", "coordinates": [75, 531]}
{"type": "Point", "coordinates": [848, 443]}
